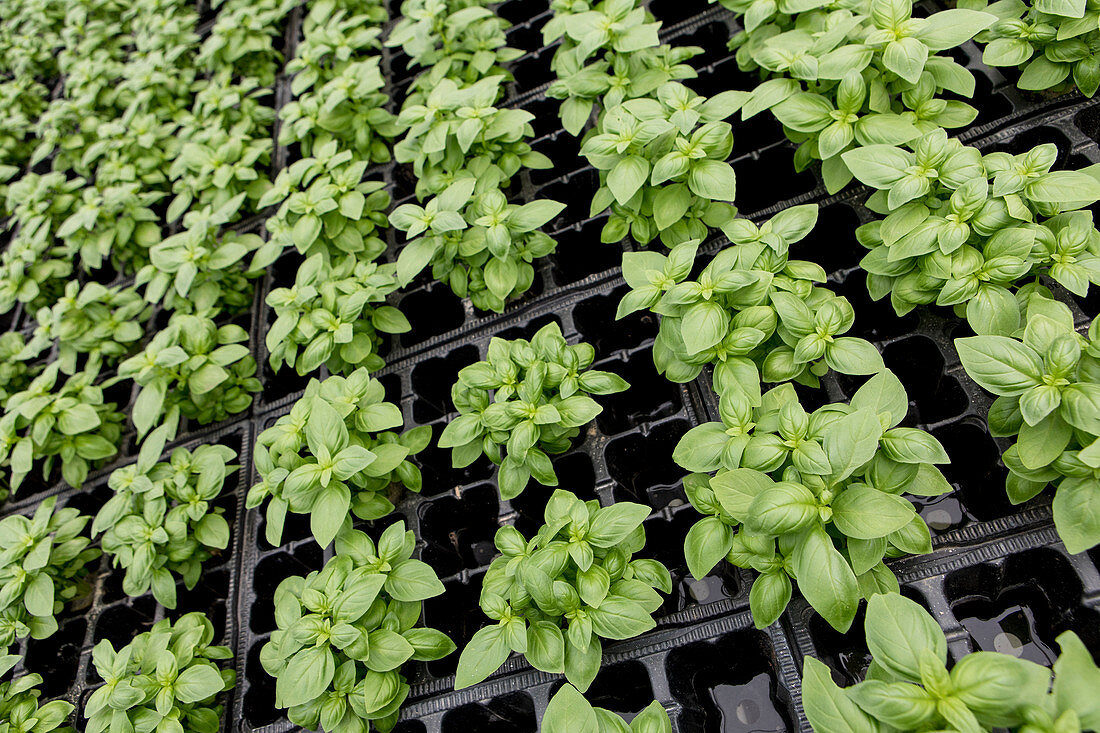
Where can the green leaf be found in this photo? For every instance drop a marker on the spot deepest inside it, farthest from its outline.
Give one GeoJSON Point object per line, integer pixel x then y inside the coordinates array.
{"type": "Point", "coordinates": [330, 509]}
{"type": "Point", "coordinates": [905, 57]}
{"type": "Point", "coordinates": [413, 580]}
{"type": "Point", "coordinates": [581, 666]}
{"type": "Point", "coordinates": [700, 449]}
{"type": "Point", "coordinates": [898, 631]}
{"type": "Point", "coordinates": [620, 618]}
{"type": "Point", "coordinates": [487, 650]}
{"type": "Point", "coordinates": [206, 378]}
{"type": "Point", "coordinates": [545, 647]}
{"type": "Point", "coordinates": [704, 325]}
{"type": "Point", "coordinates": [826, 579]}
{"type": "Point", "coordinates": [1077, 513]}
{"type": "Point", "coordinates": [949, 28]}
{"type": "Point", "coordinates": [577, 410]}
{"type": "Point", "coordinates": [627, 177]}
{"type": "Point", "coordinates": [1040, 445]}
{"type": "Point", "coordinates": [905, 706]}
{"type": "Point", "coordinates": [306, 677]}
{"type": "Point", "coordinates": [533, 215]}
{"type": "Point", "coordinates": [79, 418]}
{"type": "Point", "coordinates": [198, 683]}
{"type": "Point", "coordinates": [768, 597]}
{"type": "Point", "coordinates": [388, 319]}
{"type": "Point", "coordinates": [388, 650]}
{"type": "Point", "coordinates": [707, 542]}
{"type": "Point", "coordinates": [883, 393]}
{"type": "Point", "coordinates": [305, 231]}
{"type": "Point", "coordinates": [850, 355]}
{"type": "Point", "coordinates": [653, 719]}
{"type": "Point", "coordinates": [866, 513]}
{"type": "Point", "coordinates": [39, 595]}
{"type": "Point", "coordinates": [462, 430]}
{"type": "Point", "coordinates": [879, 166]}
{"type": "Point", "coordinates": [569, 712]}
{"type": "Point", "coordinates": [1076, 679]}
{"type": "Point", "coordinates": [429, 644]}
{"type": "Point", "coordinates": [612, 524]}
{"type": "Point", "coordinates": [909, 445]}
{"type": "Point", "coordinates": [992, 684]}
{"type": "Point", "coordinates": [712, 179]}
{"type": "Point", "coordinates": [827, 707]}
{"type": "Point", "coordinates": [781, 508]}
{"type": "Point", "coordinates": [381, 689]}
{"type": "Point", "coordinates": [851, 441]}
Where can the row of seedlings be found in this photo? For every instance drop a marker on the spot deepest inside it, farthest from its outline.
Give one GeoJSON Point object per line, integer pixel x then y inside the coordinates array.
{"type": "Point", "coordinates": [138, 142]}
{"type": "Point", "coordinates": [468, 157]}
{"type": "Point", "coordinates": [344, 632]}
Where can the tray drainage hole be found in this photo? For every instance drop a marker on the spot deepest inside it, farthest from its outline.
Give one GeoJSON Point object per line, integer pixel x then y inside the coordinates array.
{"type": "Point", "coordinates": [740, 708]}
{"type": "Point", "coordinates": [940, 512]}
{"type": "Point", "coordinates": [728, 685]}
{"type": "Point", "coordinates": [1012, 631]}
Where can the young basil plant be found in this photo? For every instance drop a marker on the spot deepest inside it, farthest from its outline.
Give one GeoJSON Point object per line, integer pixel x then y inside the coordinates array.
{"type": "Point", "coordinates": [753, 312]}
{"type": "Point", "coordinates": [344, 633]}
{"type": "Point", "coordinates": [218, 165]}
{"type": "Point", "coordinates": [460, 41]}
{"type": "Point", "coordinates": [202, 267]}
{"type": "Point", "coordinates": [459, 128]}
{"type": "Point", "coordinates": [812, 496]}
{"type": "Point", "coordinates": [962, 229]}
{"type": "Point", "coordinates": [162, 520]}
{"type": "Point", "coordinates": [116, 224]}
{"type": "Point", "coordinates": [23, 100]}
{"type": "Point", "coordinates": [334, 314]}
{"type": "Point", "coordinates": [327, 208]}
{"type": "Point", "coordinates": [19, 703]}
{"type": "Point", "coordinates": [660, 148]}
{"type": "Point", "coordinates": [15, 372]}
{"type": "Point", "coordinates": [35, 263]}
{"type": "Point", "coordinates": [1054, 44]}
{"type": "Point", "coordinates": [839, 79]}
{"type": "Point", "coordinates": [167, 677]}
{"type": "Point", "coordinates": [194, 369]}
{"type": "Point", "coordinates": [335, 454]}
{"type": "Point", "coordinates": [660, 156]}
{"type": "Point", "coordinates": [43, 566]}
{"type": "Point", "coordinates": [909, 687]}
{"type": "Point", "coordinates": [92, 321]}
{"type": "Point", "coordinates": [631, 61]}
{"type": "Point", "coordinates": [555, 596]}
{"type": "Point", "coordinates": [480, 245]}
{"type": "Point", "coordinates": [70, 420]}
{"type": "Point", "coordinates": [1047, 382]}
{"type": "Point", "coordinates": [243, 39]}
{"type": "Point", "coordinates": [569, 712]}
{"type": "Point", "coordinates": [465, 151]}
{"type": "Point", "coordinates": [338, 86]}
{"type": "Point", "coordinates": [525, 402]}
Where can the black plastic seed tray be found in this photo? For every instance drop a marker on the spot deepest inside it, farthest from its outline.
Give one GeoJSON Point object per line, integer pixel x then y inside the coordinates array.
{"type": "Point", "coordinates": [998, 578]}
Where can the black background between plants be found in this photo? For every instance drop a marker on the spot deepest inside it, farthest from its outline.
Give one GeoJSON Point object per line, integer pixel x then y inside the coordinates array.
{"type": "Point", "coordinates": [997, 578]}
